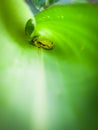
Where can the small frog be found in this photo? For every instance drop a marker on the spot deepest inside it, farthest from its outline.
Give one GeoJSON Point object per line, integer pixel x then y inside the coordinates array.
{"type": "Point", "coordinates": [37, 40]}
{"type": "Point", "coordinates": [42, 43]}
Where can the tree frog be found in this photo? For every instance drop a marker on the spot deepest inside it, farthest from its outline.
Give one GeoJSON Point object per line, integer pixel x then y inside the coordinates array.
{"type": "Point", "coordinates": [41, 42]}
{"type": "Point", "coordinates": [37, 40]}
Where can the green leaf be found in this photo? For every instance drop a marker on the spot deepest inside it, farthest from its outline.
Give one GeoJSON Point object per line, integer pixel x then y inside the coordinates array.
{"type": "Point", "coordinates": [74, 33]}
{"type": "Point", "coordinates": [55, 89]}
{"type": "Point", "coordinates": [71, 68]}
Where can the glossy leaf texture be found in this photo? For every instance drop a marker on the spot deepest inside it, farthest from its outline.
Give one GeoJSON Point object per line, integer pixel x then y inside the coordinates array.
{"type": "Point", "coordinates": [73, 29]}
{"type": "Point", "coordinates": [71, 67]}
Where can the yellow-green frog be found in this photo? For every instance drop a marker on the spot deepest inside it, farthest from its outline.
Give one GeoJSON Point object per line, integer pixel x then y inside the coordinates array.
{"type": "Point", "coordinates": [41, 42]}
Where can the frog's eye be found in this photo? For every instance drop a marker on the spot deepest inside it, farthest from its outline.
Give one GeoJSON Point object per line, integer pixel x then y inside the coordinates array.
{"type": "Point", "coordinates": [29, 28]}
